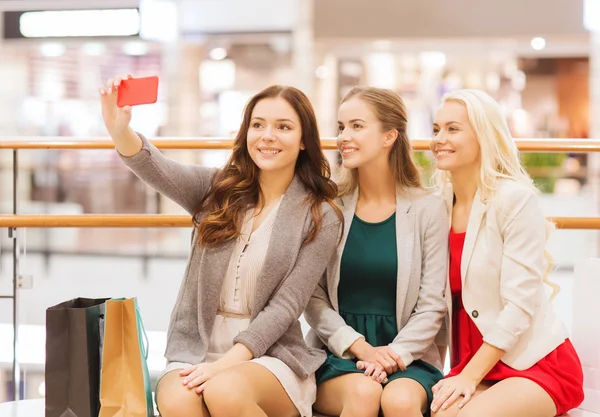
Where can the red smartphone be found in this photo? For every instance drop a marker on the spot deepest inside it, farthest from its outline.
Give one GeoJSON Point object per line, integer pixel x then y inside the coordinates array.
{"type": "Point", "coordinates": [136, 91]}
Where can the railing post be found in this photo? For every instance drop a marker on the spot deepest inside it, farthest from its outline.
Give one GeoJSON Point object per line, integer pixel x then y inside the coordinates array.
{"type": "Point", "coordinates": [594, 113]}
{"type": "Point", "coordinates": [16, 369]}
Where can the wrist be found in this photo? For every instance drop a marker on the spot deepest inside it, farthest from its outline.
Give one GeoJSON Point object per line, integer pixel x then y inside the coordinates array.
{"type": "Point", "coordinates": [122, 134]}
{"type": "Point", "coordinates": [117, 132]}
{"type": "Point", "coordinates": [127, 142]}
{"type": "Point", "coordinates": [359, 348]}
{"type": "Point", "coordinates": [220, 365]}
{"type": "Point", "coordinates": [470, 377]}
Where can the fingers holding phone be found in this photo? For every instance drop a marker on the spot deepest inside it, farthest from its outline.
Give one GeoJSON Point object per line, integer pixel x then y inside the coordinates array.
{"type": "Point", "coordinates": [116, 119]}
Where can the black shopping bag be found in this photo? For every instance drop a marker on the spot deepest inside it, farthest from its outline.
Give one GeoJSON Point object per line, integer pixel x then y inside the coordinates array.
{"type": "Point", "coordinates": [73, 345]}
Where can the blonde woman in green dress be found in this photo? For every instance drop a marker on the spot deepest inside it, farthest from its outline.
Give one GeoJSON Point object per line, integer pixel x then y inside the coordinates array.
{"type": "Point", "coordinates": [381, 303]}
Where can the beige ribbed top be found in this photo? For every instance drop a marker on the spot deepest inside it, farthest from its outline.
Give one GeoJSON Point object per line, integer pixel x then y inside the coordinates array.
{"type": "Point", "coordinates": [246, 263]}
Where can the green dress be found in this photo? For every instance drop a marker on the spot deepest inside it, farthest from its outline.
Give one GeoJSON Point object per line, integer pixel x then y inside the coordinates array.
{"type": "Point", "coordinates": [367, 299]}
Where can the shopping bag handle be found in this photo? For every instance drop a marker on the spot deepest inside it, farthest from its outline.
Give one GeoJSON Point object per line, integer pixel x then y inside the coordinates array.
{"type": "Point", "coordinates": [140, 324]}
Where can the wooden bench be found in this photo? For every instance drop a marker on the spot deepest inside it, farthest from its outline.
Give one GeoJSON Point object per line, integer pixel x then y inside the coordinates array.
{"type": "Point", "coordinates": [35, 408]}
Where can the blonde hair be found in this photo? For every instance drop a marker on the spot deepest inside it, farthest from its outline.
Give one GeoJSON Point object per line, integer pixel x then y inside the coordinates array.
{"type": "Point", "coordinates": [390, 110]}
{"type": "Point", "coordinates": [499, 155]}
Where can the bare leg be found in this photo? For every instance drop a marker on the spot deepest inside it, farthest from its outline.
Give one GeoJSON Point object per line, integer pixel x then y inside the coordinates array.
{"type": "Point", "coordinates": [404, 397]}
{"type": "Point", "coordinates": [350, 395]}
{"type": "Point", "coordinates": [250, 390]}
{"type": "Point", "coordinates": [453, 411]}
{"type": "Point", "coordinates": [176, 400]}
{"type": "Point", "coordinates": [514, 397]}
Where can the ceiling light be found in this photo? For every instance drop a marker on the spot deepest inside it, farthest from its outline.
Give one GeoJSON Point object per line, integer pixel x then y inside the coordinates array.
{"type": "Point", "coordinates": [135, 48]}
{"type": "Point", "coordinates": [52, 49]}
{"type": "Point", "coordinates": [538, 43]}
{"type": "Point", "coordinates": [218, 54]}
{"type": "Point", "coordinates": [80, 23]}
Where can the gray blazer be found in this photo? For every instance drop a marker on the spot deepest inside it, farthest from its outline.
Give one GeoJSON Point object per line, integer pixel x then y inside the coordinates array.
{"type": "Point", "coordinates": [289, 276]}
{"type": "Point", "coordinates": [422, 242]}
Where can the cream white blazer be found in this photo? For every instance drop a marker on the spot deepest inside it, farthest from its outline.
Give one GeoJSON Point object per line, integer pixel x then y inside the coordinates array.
{"type": "Point", "coordinates": [502, 275]}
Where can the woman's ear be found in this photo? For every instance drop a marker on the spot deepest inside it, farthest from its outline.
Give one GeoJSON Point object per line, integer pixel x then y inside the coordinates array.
{"type": "Point", "coordinates": [390, 137]}
{"type": "Point", "coordinates": [302, 147]}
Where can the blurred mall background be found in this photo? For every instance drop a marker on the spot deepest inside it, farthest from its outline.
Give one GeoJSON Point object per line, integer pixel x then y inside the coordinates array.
{"type": "Point", "coordinates": [539, 58]}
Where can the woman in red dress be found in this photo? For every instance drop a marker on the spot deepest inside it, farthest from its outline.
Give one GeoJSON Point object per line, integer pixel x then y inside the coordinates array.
{"type": "Point", "coordinates": [510, 354]}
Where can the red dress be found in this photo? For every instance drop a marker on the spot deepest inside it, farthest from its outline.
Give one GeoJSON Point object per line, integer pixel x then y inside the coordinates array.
{"type": "Point", "coordinates": [559, 373]}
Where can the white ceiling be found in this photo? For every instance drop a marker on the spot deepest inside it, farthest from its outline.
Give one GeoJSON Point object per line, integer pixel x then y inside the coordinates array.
{"type": "Point", "coordinates": [446, 18]}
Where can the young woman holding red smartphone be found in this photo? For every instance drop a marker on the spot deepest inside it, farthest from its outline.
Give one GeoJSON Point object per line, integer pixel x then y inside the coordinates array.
{"type": "Point", "coordinates": [266, 226]}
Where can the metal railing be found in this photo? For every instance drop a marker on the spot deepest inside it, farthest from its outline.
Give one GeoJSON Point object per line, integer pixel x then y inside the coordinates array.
{"type": "Point", "coordinates": [15, 220]}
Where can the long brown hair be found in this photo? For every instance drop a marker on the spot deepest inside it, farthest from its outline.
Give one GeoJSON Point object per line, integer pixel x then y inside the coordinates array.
{"type": "Point", "coordinates": [390, 110]}
{"type": "Point", "coordinates": [236, 188]}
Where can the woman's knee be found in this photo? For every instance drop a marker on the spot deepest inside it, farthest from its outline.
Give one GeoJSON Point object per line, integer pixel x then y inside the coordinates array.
{"type": "Point", "coordinates": [226, 393]}
{"type": "Point", "coordinates": [173, 399]}
{"type": "Point", "coordinates": [401, 405]}
{"type": "Point", "coordinates": [403, 397]}
{"type": "Point", "coordinates": [364, 393]}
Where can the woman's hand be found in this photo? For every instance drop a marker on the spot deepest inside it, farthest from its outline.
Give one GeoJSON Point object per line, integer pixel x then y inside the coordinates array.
{"type": "Point", "coordinates": [116, 119]}
{"type": "Point", "coordinates": [447, 391]}
{"type": "Point", "coordinates": [374, 370]}
{"type": "Point", "coordinates": [384, 356]}
{"type": "Point", "coordinates": [196, 376]}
